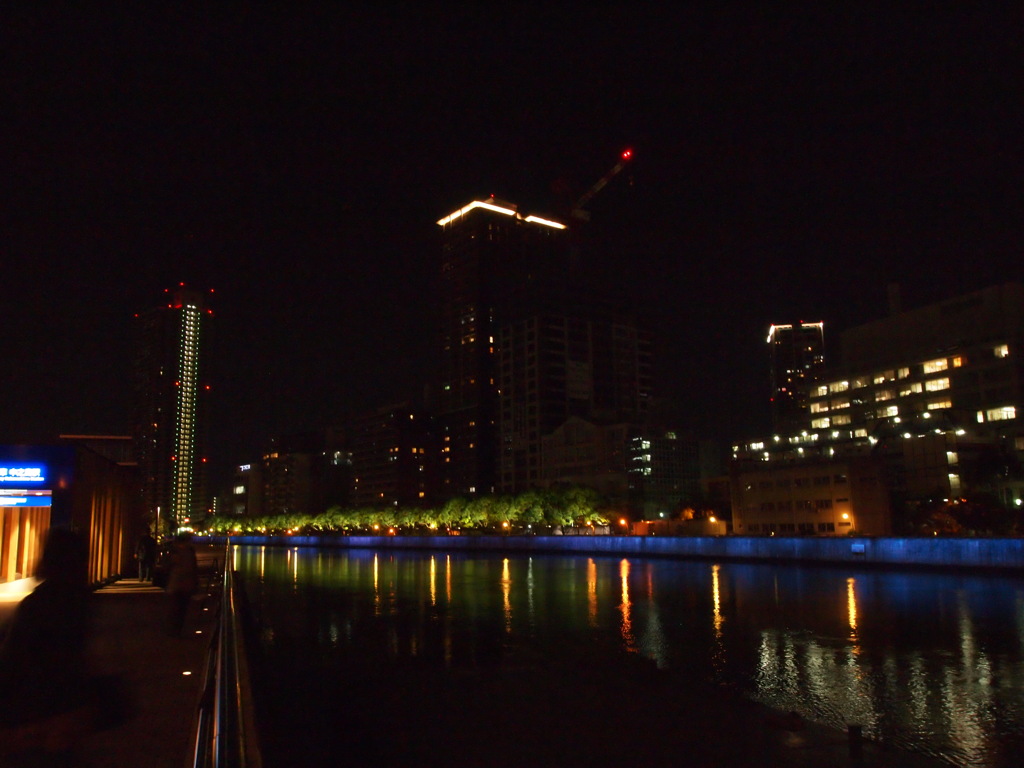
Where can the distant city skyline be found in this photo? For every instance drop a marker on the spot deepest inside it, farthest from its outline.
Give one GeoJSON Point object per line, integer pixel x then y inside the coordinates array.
{"type": "Point", "coordinates": [785, 166]}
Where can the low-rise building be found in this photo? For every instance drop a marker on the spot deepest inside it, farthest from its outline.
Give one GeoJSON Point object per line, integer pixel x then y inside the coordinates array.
{"type": "Point", "coordinates": [811, 498]}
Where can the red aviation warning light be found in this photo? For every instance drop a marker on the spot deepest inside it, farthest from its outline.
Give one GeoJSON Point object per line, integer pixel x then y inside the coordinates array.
{"type": "Point", "coordinates": [577, 210]}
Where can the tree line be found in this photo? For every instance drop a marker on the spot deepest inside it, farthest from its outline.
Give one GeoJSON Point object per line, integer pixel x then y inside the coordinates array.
{"type": "Point", "coordinates": [577, 506]}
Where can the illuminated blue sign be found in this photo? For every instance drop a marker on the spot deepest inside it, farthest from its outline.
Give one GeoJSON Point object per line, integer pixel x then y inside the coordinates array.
{"type": "Point", "coordinates": [21, 473]}
{"type": "Point", "coordinates": [26, 501]}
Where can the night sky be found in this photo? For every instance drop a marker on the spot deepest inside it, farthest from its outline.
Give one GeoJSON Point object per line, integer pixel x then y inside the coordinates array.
{"type": "Point", "coordinates": [788, 166]}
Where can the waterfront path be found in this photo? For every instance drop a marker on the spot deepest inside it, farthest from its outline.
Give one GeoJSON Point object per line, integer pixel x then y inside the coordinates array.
{"type": "Point", "coordinates": [162, 675]}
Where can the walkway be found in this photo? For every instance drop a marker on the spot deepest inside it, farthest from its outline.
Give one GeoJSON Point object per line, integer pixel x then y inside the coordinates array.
{"type": "Point", "coordinates": [162, 674]}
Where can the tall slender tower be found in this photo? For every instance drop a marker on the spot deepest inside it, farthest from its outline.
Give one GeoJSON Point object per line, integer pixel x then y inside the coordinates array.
{"type": "Point", "coordinates": [797, 357]}
{"type": "Point", "coordinates": [172, 396]}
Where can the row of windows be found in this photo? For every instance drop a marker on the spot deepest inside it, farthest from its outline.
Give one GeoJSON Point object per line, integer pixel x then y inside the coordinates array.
{"type": "Point", "coordinates": [882, 377]}
{"type": "Point", "coordinates": [799, 482]}
{"type": "Point", "coordinates": [804, 528]}
{"type": "Point", "coordinates": [801, 505]}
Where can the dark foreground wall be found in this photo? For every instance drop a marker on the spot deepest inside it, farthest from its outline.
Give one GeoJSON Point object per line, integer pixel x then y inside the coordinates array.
{"type": "Point", "coordinates": [1000, 554]}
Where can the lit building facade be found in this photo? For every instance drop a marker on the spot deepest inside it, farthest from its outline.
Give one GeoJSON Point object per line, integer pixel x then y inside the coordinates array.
{"type": "Point", "coordinates": [821, 498]}
{"type": "Point", "coordinates": [172, 407]}
{"type": "Point", "coordinates": [797, 355]}
{"type": "Point", "coordinates": [70, 485]}
{"type": "Point", "coordinates": [932, 396]}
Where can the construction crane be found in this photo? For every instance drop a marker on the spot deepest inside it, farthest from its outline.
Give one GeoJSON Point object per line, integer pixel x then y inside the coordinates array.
{"type": "Point", "coordinates": [577, 211]}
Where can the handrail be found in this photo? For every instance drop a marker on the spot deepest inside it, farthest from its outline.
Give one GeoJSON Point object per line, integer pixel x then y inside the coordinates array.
{"type": "Point", "coordinates": [225, 734]}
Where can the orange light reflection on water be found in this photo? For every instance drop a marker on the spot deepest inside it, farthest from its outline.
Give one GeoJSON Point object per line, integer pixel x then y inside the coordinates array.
{"type": "Point", "coordinates": [625, 607]}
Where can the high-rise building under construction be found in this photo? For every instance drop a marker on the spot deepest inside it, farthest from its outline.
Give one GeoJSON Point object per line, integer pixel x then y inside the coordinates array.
{"type": "Point", "coordinates": [522, 347]}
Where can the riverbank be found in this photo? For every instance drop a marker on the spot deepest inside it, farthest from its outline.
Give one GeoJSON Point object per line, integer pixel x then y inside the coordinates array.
{"type": "Point", "coordinates": [1003, 555]}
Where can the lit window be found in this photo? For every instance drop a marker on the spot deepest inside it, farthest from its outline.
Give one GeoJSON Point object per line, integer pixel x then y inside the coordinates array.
{"type": "Point", "coordinates": [936, 385]}
{"type": "Point", "coordinates": [934, 366]}
{"type": "Point", "coordinates": [1003, 350]}
{"type": "Point", "coordinates": [819, 407]}
{"type": "Point", "coordinates": [952, 458]}
{"type": "Point", "coordinates": [820, 423]}
{"type": "Point", "coordinates": [884, 376]}
{"type": "Point", "coordinates": [939, 404]}
{"type": "Point", "coordinates": [860, 432]}
{"type": "Point", "coordinates": [844, 403]}
{"type": "Point", "coordinates": [911, 388]}
{"type": "Point", "coordinates": [884, 394]}
{"type": "Point", "coordinates": [842, 419]}
{"type": "Point", "coordinates": [838, 386]}
{"type": "Point", "coordinates": [892, 410]}
{"type": "Point", "coordinates": [821, 391]}
{"type": "Point", "coordinates": [958, 362]}
{"type": "Point", "coordinates": [239, 489]}
{"type": "Point", "coordinates": [1001, 414]}
{"type": "Point", "coordinates": [860, 381]}
{"type": "Point", "coordinates": [903, 373]}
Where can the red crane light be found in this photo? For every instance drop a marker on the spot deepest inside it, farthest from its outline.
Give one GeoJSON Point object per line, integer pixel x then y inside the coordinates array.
{"type": "Point", "coordinates": [626, 154]}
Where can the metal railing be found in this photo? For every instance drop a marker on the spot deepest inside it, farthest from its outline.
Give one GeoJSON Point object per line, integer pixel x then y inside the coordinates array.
{"type": "Point", "coordinates": [225, 732]}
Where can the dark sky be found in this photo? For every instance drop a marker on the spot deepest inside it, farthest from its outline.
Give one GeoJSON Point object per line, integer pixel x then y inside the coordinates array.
{"type": "Point", "coordinates": [788, 166]}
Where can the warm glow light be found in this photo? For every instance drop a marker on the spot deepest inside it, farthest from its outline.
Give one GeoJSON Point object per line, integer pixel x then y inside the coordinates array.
{"type": "Point", "coordinates": [475, 204]}
{"type": "Point", "coordinates": [545, 222]}
{"type": "Point", "coordinates": [716, 598]}
{"type": "Point", "coordinates": [846, 515]}
{"type": "Point", "coordinates": [713, 519]}
{"type": "Point", "coordinates": [851, 604]}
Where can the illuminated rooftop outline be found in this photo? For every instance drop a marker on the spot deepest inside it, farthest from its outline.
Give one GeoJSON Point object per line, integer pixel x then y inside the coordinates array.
{"type": "Point", "coordinates": [784, 327]}
{"type": "Point", "coordinates": [498, 209]}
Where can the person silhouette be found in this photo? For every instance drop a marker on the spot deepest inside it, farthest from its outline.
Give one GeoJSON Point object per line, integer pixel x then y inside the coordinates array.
{"type": "Point", "coordinates": [46, 705]}
{"type": "Point", "coordinates": [182, 581]}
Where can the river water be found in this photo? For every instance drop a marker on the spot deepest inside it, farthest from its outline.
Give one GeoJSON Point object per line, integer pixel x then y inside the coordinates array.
{"type": "Point", "coordinates": [931, 662]}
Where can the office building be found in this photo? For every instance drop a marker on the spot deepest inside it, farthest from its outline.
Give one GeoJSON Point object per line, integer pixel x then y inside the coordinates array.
{"type": "Point", "coordinates": [932, 396]}
{"type": "Point", "coordinates": [797, 355]}
{"type": "Point", "coordinates": [172, 407]}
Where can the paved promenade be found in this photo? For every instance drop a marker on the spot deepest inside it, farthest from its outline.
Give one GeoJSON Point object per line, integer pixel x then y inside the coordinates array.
{"type": "Point", "coordinates": [162, 674]}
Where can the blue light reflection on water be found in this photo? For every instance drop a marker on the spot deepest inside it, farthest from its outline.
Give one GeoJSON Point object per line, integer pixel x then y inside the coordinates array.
{"type": "Point", "coordinates": [929, 661]}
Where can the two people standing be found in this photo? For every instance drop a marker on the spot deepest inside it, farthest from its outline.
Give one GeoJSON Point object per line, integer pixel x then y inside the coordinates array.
{"type": "Point", "coordinates": [145, 554]}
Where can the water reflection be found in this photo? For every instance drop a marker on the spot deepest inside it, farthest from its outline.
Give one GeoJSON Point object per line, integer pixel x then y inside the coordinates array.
{"type": "Point", "coordinates": [506, 590]}
{"type": "Point", "coordinates": [628, 641]}
{"type": "Point", "coordinates": [591, 592]}
{"type": "Point", "coordinates": [928, 661]}
{"type": "Point", "coordinates": [851, 606]}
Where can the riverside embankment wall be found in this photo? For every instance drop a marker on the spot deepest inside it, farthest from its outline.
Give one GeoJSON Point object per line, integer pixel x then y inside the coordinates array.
{"type": "Point", "coordinates": [985, 554]}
